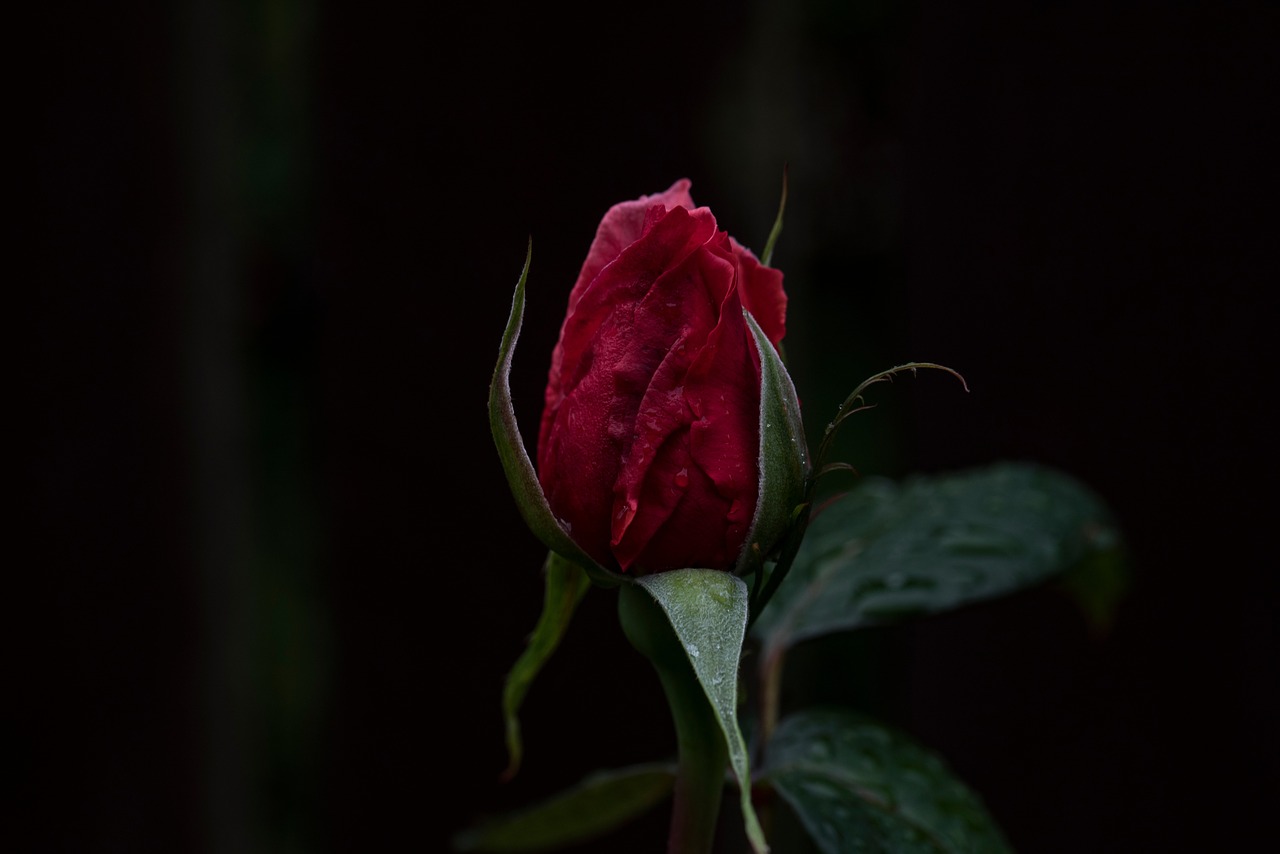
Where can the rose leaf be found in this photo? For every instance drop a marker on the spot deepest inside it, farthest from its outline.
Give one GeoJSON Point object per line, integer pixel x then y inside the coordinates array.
{"type": "Point", "coordinates": [597, 805]}
{"type": "Point", "coordinates": [886, 551]}
{"type": "Point", "coordinates": [856, 785]}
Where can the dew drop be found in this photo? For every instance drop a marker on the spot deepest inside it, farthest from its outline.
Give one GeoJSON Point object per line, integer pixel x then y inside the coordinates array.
{"type": "Point", "coordinates": [682, 478]}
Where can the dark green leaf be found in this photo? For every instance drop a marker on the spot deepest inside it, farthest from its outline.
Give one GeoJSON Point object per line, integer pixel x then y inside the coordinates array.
{"type": "Point", "coordinates": [708, 611]}
{"type": "Point", "coordinates": [885, 551]}
{"type": "Point", "coordinates": [599, 804]}
{"type": "Point", "coordinates": [858, 786]}
{"type": "Point", "coordinates": [565, 585]}
{"type": "Point", "coordinates": [515, 459]}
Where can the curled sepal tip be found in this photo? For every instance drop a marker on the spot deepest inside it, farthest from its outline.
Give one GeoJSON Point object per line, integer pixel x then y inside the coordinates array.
{"type": "Point", "coordinates": [515, 459]}
{"type": "Point", "coordinates": [856, 403]}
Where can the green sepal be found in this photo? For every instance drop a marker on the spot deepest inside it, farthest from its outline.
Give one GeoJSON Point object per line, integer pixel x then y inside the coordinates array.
{"type": "Point", "coordinates": [515, 459]}
{"type": "Point", "coordinates": [857, 785]}
{"type": "Point", "coordinates": [783, 458]}
{"type": "Point", "coordinates": [599, 804]}
{"type": "Point", "coordinates": [565, 585]}
{"type": "Point", "coordinates": [856, 403]}
{"type": "Point", "coordinates": [708, 613]}
{"type": "Point", "coordinates": [766, 257]}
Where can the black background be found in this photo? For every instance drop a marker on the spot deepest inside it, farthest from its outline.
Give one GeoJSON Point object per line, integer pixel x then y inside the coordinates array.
{"type": "Point", "coordinates": [281, 576]}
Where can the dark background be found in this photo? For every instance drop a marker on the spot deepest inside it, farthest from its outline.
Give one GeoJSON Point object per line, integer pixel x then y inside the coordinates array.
{"type": "Point", "coordinates": [280, 577]}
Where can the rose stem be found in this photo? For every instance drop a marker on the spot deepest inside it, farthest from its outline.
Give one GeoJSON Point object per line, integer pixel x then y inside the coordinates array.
{"type": "Point", "coordinates": [702, 755]}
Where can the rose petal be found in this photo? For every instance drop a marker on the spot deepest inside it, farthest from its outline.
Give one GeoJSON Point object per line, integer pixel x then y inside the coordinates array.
{"type": "Point", "coordinates": [621, 284]}
{"type": "Point", "coordinates": [760, 289]}
{"type": "Point", "coordinates": [591, 403]}
{"type": "Point", "coordinates": [678, 312]}
{"type": "Point", "coordinates": [649, 442]}
{"type": "Point", "coordinates": [622, 226]}
{"type": "Point", "coordinates": [723, 389]}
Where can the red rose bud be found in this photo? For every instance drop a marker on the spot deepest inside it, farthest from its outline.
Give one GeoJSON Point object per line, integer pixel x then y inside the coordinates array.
{"type": "Point", "coordinates": [649, 451]}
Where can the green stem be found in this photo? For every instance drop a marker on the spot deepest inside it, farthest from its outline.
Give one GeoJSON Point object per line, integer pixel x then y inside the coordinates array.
{"type": "Point", "coordinates": [703, 756]}
{"type": "Point", "coordinates": [770, 691]}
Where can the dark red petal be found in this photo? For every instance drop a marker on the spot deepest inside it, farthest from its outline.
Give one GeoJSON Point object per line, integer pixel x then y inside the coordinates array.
{"type": "Point", "coordinates": [723, 389]}
{"type": "Point", "coordinates": [687, 495]}
{"type": "Point", "coordinates": [621, 226]}
{"type": "Point", "coordinates": [678, 313]}
{"type": "Point", "coordinates": [577, 465]}
{"type": "Point", "coordinates": [687, 539]}
{"type": "Point", "coordinates": [620, 286]}
{"type": "Point", "coordinates": [760, 289]}
{"type": "Point", "coordinates": [605, 369]}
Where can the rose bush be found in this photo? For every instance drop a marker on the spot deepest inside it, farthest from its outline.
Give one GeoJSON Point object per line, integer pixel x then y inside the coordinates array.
{"type": "Point", "coordinates": [649, 445]}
